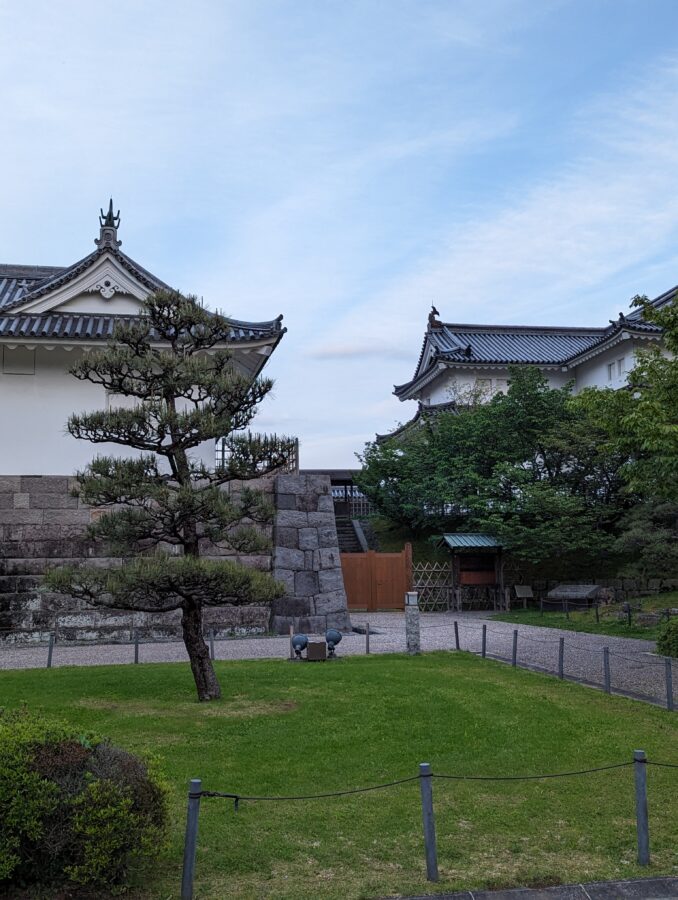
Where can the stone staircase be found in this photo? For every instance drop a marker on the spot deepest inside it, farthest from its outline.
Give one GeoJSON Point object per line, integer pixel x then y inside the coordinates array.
{"type": "Point", "coordinates": [348, 541]}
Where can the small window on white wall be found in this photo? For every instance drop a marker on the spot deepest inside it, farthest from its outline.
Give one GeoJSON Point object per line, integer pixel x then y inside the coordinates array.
{"type": "Point", "coordinates": [501, 385]}
{"type": "Point", "coordinates": [621, 366]}
{"type": "Point", "coordinates": [610, 371]}
{"type": "Point", "coordinates": [19, 361]}
{"type": "Point", "coordinates": [119, 401]}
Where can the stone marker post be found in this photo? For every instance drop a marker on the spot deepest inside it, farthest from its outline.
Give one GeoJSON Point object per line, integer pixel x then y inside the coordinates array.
{"type": "Point", "coordinates": [412, 632]}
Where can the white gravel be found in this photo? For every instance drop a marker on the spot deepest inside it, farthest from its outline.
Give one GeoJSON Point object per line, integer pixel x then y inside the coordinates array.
{"type": "Point", "coordinates": [634, 667]}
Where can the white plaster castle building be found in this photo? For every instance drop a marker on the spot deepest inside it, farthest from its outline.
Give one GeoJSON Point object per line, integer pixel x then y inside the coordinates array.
{"type": "Point", "coordinates": [457, 359]}
{"type": "Point", "coordinates": [48, 317]}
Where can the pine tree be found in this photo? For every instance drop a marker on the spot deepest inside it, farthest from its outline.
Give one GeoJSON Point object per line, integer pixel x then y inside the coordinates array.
{"type": "Point", "coordinates": [162, 508]}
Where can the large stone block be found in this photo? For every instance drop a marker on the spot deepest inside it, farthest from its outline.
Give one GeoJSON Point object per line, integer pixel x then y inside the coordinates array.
{"type": "Point", "coordinates": [44, 484]}
{"type": "Point", "coordinates": [308, 538]}
{"type": "Point", "coordinates": [339, 620]}
{"type": "Point", "coordinates": [330, 580]}
{"type": "Point", "coordinates": [51, 501]}
{"type": "Point", "coordinates": [7, 500]}
{"type": "Point", "coordinates": [21, 516]}
{"type": "Point", "coordinates": [286, 537]}
{"type": "Point", "coordinates": [290, 484]}
{"type": "Point", "coordinates": [329, 602]}
{"type": "Point", "coordinates": [320, 484]}
{"type": "Point", "coordinates": [311, 625]}
{"type": "Point", "coordinates": [327, 536]}
{"type": "Point", "coordinates": [285, 501]}
{"type": "Point", "coordinates": [10, 483]}
{"type": "Point", "coordinates": [292, 606]}
{"type": "Point", "coordinates": [65, 516]}
{"type": "Point", "coordinates": [306, 584]}
{"type": "Point", "coordinates": [326, 503]}
{"type": "Point", "coordinates": [285, 577]}
{"type": "Point", "coordinates": [328, 558]}
{"type": "Point", "coordinates": [307, 502]}
{"type": "Point", "coordinates": [322, 520]}
{"type": "Point", "coordinates": [291, 518]}
{"type": "Point", "coordinates": [287, 558]}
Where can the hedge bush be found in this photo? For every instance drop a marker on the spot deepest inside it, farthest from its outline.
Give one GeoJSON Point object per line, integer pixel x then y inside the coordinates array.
{"type": "Point", "coordinates": [74, 809]}
{"type": "Point", "coordinates": [667, 642]}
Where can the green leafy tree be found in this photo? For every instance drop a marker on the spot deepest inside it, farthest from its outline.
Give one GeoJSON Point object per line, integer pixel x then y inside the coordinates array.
{"type": "Point", "coordinates": [530, 465]}
{"type": "Point", "coordinates": [163, 509]}
{"type": "Point", "coordinates": [648, 427]}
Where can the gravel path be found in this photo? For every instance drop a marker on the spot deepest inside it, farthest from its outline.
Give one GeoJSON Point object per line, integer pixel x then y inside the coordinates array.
{"type": "Point", "coordinates": [634, 669]}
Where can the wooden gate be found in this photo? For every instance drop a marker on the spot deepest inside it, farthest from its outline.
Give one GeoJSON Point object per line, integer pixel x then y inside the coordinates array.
{"type": "Point", "coordinates": [377, 580]}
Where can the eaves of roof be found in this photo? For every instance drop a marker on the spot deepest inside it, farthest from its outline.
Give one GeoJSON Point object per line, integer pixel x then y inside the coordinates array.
{"type": "Point", "coordinates": [87, 327]}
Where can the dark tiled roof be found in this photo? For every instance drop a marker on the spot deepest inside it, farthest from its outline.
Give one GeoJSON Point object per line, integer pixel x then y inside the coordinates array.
{"type": "Point", "coordinates": [56, 277]}
{"type": "Point", "coordinates": [512, 344]}
{"type": "Point", "coordinates": [87, 327]}
{"type": "Point", "coordinates": [18, 281]}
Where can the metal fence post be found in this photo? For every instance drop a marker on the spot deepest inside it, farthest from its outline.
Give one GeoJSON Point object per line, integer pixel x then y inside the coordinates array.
{"type": "Point", "coordinates": [191, 839]}
{"type": "Point", "coordinates": [541, 606]}
{"type": "Point", "coordinates": [367, 638]}
{"type": "Point", "coordinates": [291, 636]}
{"type": "Point", "coordinates": [428, 821]}
{"type": "Point", "coordinates": [211, 643]}
{"type": "Point", "coordinates": [597, 612]}
{"type": "Point", "coordinates": [50, 650]}
{"type": "Point", "coordinates": [484, 641]}
{"type": "Point", "coordinates": [669, 683]}
{"type": "Point", "coordinates": [606, 669]}
{"type": "Point", "coordinates": [456, 635]}
{"type": "Point", "coordinates": [561, 658]}
{"type": "Point", "coordinates": [642, 826]}
{"type": "Point", "coordinates": [136, 645]}
{"type": "Point", "coordinates": [514, 658]}
{"type": "Point", "coordinates": [567, 608]}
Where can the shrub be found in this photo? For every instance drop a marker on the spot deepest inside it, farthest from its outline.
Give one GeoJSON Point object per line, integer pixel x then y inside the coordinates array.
{"type": "Point", "coordinates": [667, 642]}
{"type": "Point", "coordinates": [75, 810]}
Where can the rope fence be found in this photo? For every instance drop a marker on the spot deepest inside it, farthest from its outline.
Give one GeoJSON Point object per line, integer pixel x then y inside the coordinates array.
{"type": "Point", "coordinates": [425, 777]}
{"type": "Point", "coordinates": [497, 643]}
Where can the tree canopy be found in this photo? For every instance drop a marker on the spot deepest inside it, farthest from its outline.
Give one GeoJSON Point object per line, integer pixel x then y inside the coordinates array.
{"type": "Point", "coordinates": [163, 508]}
{"type": "Point", "coordinates": [531, 466]}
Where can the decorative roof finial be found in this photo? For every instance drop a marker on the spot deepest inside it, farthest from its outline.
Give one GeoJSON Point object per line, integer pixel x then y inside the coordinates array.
{"type": "Point", "coordinates": [108, 234]}
{"type": "Point", "coordinates": [433, 321]}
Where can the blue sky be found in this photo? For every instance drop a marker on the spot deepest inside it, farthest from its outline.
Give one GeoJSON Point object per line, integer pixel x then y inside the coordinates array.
{"type": "Point", "coordinates": [349, 163]}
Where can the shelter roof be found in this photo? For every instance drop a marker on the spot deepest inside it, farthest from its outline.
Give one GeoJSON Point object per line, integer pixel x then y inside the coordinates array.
{"type": "Point", "coordinates": [470, 540]}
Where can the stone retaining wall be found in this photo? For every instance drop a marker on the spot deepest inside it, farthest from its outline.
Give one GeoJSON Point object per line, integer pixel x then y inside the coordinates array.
{"type": "Point", "coordinates": [42, 526]}
{"type": "Point", "coordinates": [306, 556]}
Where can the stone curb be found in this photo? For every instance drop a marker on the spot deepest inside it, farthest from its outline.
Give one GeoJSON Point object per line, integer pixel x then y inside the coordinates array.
{"type": "Point", "coordinates": [637, 889]}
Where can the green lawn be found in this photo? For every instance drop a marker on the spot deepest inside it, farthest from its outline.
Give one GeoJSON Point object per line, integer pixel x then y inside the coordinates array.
{"type": "Point", "coordinates": [610, 622]}
{"type": "Point", "coordinates": [287, 729]}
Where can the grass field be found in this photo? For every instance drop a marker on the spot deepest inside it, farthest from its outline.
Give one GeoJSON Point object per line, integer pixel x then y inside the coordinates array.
{"type": "Point", "coordinates": [585, 620]}
{"type": "Point", "coordinates": [289, 729]}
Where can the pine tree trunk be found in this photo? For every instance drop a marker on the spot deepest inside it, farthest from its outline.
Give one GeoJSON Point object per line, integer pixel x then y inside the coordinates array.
{"type": "Point", "coordinates": [201, 665]}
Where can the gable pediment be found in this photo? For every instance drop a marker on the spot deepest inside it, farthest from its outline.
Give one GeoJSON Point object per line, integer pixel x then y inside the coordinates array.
{"type": "Point", "coordinates": [104, 287]}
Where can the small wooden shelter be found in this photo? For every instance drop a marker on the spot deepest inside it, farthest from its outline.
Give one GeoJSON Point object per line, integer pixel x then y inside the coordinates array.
{"type": "Point", "coordinates": [476, 559]}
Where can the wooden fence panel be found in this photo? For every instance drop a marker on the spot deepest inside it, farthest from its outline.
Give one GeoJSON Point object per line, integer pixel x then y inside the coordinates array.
{"type": "Point", "coordinates": [377, 580]}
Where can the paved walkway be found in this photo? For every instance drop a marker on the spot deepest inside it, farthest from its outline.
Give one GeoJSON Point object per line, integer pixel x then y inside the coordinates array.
{"type": "Point", "coordinates": [638, 889]}
{"type": "Point", "coordinates": [634, 669]}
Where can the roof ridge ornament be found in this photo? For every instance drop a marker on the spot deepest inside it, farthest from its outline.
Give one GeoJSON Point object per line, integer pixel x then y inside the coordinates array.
{"type": "Point", "coordinates": [108, 231]}
{"type": "Point", "coordinates": [433, 321]}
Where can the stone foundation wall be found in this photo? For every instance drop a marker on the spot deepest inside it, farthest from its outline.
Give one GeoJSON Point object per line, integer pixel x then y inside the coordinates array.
{"type": "Point", "coordinates": [306, 557]}
{"type": "Point", "coordinates": [42, 526]}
